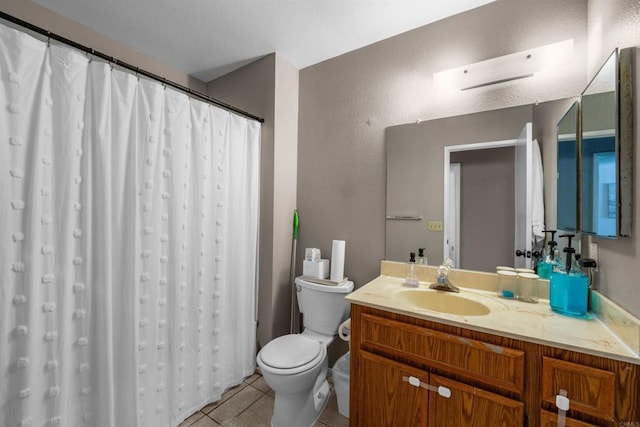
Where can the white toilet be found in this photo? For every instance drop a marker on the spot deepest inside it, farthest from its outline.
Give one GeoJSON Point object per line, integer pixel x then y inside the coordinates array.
{"type": "Point", "coordinates": [295, 365]}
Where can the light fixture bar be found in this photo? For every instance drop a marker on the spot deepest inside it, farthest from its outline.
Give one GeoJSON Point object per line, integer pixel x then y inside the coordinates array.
{"type": "Point", "coordinates": [495, 82]}
{"type": "Point", "coordinates": [506, 68]}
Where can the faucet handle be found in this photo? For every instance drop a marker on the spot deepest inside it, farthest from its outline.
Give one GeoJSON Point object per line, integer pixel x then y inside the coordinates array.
{"type": "Point", "coordinates": [443, 273]}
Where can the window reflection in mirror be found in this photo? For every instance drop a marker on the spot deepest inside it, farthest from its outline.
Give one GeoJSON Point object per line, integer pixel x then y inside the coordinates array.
{"type": "Point", "coordinates": [599, 167]}
{"type": "Point", "coordinates": [567, 203]}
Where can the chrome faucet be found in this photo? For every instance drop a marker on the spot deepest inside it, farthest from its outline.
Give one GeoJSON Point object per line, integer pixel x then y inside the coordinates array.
{"type": "Point", "coordinates": [442, 281]}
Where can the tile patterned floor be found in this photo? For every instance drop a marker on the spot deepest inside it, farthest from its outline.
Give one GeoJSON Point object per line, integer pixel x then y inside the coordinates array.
{"type": "Point", "coordinates": [250, 404]}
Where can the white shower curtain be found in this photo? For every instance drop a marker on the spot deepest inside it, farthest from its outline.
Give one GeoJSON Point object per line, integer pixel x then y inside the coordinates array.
{"type": "Point", "coordinates": [128, 228]}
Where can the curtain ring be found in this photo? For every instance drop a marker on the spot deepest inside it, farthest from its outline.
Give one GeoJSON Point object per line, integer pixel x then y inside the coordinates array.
{"type": "Point", "coordinates": [48, 38]}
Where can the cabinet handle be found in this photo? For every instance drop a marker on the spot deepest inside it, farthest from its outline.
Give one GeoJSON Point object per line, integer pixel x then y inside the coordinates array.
{"type": "Point", "coordinates": [444, 391]}
{"type": "Point", "coordinates": [562, 403]}
{"type": "Point", "coordinates": [441, 390]}
{"type": "Point", "coordinates": [414, 381]}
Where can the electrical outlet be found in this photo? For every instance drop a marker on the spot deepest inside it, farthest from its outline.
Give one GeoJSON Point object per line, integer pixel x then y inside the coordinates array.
{"type": "Point", "coordinates": [435, 226]}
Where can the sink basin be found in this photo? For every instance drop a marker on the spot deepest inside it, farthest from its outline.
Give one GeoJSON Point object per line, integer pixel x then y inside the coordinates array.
{"type": "Point", "coordinates": [442, 302]}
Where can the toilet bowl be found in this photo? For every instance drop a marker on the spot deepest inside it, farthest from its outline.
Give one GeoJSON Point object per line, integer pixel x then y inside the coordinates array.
{"type": "Point", "coordinates": [295, 365]}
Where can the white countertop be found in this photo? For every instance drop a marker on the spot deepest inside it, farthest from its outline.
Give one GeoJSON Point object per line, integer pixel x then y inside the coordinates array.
{"type": "Point", "coordinates": [514, 319]}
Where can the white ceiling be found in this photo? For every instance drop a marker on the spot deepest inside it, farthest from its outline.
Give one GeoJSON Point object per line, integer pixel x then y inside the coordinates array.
{"type": "Point", "coordinates": [209, 38]}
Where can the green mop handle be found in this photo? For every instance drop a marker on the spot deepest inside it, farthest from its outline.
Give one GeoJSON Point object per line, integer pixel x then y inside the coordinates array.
{"type": "Point", "coordinates": [295, 225]}
{"type": "Point", "coordinates": [295, 317]}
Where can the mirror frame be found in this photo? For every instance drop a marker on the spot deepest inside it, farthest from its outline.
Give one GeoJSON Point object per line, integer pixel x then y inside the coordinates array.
{"type": "Point", "coordinates": [625, 132]}
{"type": "Point", "coordinates": [623, 144]}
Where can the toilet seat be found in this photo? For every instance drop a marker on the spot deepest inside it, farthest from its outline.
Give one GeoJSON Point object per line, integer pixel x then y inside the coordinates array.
{"type": "Point", "coordinates": [292, 354]}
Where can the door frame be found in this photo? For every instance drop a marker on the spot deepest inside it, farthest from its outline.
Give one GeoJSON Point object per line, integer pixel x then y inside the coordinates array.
{"type": "Point", "coordinates": [448, 149]}
{"type": "Point", "coordinates": [453, 224]}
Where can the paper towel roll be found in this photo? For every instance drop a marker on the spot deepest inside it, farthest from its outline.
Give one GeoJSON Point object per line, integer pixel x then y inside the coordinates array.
{"type": "Point", "coordinates": [337, 260]}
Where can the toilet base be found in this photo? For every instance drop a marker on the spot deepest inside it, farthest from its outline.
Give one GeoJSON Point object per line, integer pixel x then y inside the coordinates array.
{"type": "Point", "coordinates": [298, 409]}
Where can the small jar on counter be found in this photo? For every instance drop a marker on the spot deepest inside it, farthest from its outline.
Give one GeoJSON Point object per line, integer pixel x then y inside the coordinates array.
{"type": "Point", "coordinates": [528, 287]}
{"type": "Point", "coordinates": [507, 284]}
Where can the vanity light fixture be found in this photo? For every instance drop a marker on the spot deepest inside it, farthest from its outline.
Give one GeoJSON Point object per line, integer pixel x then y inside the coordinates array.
{"type": "Point", "coordinates": [506, 68]}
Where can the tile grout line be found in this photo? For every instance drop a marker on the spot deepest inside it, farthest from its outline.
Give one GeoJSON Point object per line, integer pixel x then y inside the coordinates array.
{"type": "Point", "coordinates": [219, 402]}
{"type": "Point", "coordinates": [254, 402]}
{"type": "Point", "coordinates": [262, 394]}
{"type": "Point", "coordinates": [241, 412]}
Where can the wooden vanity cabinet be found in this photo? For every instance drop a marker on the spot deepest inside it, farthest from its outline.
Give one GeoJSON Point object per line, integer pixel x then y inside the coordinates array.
{"type": "Point", "coordinates": [399, 362]}
{"type": "Point", "coordinates": [406, 374]}
{"type": "Point", "coordinates": [391, 399]}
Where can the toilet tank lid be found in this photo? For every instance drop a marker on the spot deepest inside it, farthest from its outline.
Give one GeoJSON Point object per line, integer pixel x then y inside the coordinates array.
{"type": "Point", "coordinates": [290, 351]}
{"type": "Point", "coordinates": [344, 288]}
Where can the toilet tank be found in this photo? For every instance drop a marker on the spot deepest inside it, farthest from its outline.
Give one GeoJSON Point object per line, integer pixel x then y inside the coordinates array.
{"type": "Point", "coordinates": [323, 306]}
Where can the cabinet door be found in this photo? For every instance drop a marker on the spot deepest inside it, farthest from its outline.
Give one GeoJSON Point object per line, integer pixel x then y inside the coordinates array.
{"type": "Point", "coordinates": [591, 391]}
{"type": "Point", "coordinates": [471, 406]}
{"type": "Point", "coordinates": [387, 398]}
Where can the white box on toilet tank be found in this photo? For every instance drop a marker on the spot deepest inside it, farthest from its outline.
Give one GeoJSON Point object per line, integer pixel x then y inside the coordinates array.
{"type": "Point", "coordinates": [317, 269]}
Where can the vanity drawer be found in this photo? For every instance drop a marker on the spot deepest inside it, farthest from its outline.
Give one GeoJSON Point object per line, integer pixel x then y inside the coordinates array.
{"type": "Point", "coordinates": [492, 364]}
{"type": "Point", "coordinates": [550, 419]}
{"type": "Point", "coordinates": [590, 390]}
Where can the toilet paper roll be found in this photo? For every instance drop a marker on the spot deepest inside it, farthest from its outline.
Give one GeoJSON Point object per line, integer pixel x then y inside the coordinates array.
{"type": "Point", "coordinates": [344, 330]}
{"type": "Point", "coordinates": [337, 260]}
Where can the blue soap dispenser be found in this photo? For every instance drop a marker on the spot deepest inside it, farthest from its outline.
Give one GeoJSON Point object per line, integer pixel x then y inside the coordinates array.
{"type": "Point", "coordinates": [569, 286]}
{"type": "Point", "coordinates": [551, 259]}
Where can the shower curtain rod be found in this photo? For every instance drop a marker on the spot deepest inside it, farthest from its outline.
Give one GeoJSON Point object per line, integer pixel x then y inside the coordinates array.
{"type": "Point", "coordinates": [137, 70]}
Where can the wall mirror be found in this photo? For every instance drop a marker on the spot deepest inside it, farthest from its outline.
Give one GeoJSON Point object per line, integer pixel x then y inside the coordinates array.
{"type": "Point", "coordinates": [567, 183]}
{"type": "Point", "coordinates": [605, 151]}
{"type": "Point", "coordinates": [415, 208]}
{"type": "Point", "coordinates": [415, 171]}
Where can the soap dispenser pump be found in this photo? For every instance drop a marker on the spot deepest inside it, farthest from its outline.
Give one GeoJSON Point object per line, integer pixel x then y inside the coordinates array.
{"type": "Point", "coordinates": [588, 265]}
{"type": "Point", "coordinates": [422, 259]}
{"type": "Point", "coordinates": [551, 258]}
{"type": "Point", "coordinates": [411, 277]}
{"type": "Point", "coordinates": [569, 286]}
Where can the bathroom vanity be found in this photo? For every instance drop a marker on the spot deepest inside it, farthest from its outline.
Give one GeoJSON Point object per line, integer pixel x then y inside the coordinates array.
{"type": "Point", "coordinates": [419, 362]}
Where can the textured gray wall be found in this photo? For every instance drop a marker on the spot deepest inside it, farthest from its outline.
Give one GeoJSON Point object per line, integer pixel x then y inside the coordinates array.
{"type": "Point", "coordinates": [347, 102]}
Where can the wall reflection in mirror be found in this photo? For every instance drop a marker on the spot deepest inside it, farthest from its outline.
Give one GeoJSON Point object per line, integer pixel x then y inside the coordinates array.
{"type": "Point", "coordinates": [595, 154]}
{"type": "Point", "coordinates": [599, 168]}
{"type": "Point", "coordinates": [567, 184]}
